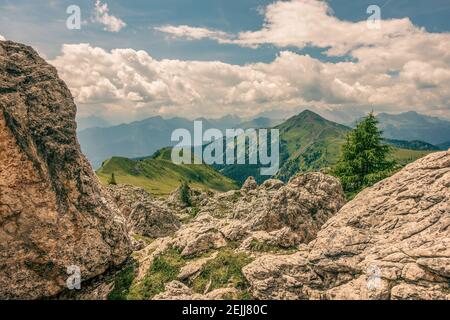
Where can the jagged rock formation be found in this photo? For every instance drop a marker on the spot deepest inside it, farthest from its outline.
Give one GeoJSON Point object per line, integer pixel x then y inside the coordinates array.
{"type": "Point", "coordinates": [249, 184]}
{"type": "Point", "coordinates": [295, 211]}
{"type": "Point", "coordinates": [53, 213]}
{"type": "Point", "coordinates": [228, 230]}
{"type": "Point", "coordinates": [144, 215]}
{"type": "Point", "coordinates": [391, 242]}
{"type": "Point", "coordinates": [294, 241]}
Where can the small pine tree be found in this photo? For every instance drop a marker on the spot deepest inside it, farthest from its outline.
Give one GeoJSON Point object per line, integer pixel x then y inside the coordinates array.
{"type": "Point", "coordinates": [184, 194]}
{"type": "Point", "coordinates": [112, 180]}
{"type": "Point", "coordinates": [364, 158]}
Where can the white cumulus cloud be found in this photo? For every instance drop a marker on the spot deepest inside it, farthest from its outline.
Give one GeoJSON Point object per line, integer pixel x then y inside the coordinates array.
{"type": "Point", "coordinates": [399, 67]}
{"type": "Point", "coordinates": [102, 16]}
{"type": "Point", "coordinates": [195, 33]}
{"type": "Point", "coordinates": [126, 84]}
{"type": "Point", "coordinates": [2, 38]}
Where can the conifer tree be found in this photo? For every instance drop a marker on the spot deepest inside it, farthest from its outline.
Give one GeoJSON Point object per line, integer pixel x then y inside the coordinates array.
{"type": "Point", "coordinates": [364, 158]}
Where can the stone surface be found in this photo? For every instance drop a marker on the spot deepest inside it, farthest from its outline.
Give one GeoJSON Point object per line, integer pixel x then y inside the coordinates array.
{"type": "Point", "coordinates": [301, 206]}
{"type": "Point", "coordinates": [53, 212]}
{"type": "Point", "coordinates": [249, 184]}
{"type": "Point", "coordinates": [144, 215]}
{"type": "Point", "coordinates": [391, 242]}
{"type": "Point", "coordinates": [198, 236]}
{"type": "Point", "coordinates": [194, 267]}
{"type": "Point", "coordinates": [176, 290]}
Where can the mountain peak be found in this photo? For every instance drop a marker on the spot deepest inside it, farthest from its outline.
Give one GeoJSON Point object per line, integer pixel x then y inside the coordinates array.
{"type": "Point", "coordinates": [306, 116]}
{"type": "Point", "coordinates": [309, 113]}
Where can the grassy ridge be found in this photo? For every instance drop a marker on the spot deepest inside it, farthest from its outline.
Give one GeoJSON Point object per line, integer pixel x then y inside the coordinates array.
{"type": "Point", "coordinates": [161, 176]}
{"type": "Point", "coordinates": [405, 156]}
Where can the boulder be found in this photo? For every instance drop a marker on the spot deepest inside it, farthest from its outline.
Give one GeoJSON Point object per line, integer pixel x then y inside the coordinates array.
{"type": "Point", "coordinates": [53, 211]}
{"type": "Point", "coordinates": [391, 242]}
{"type": "Point", "coordinates": [249, 184]}
{"type": "Point", "coordinates": [176, 290]}
{"type": "Point", "coordinates": [199, 236]}
{"type": "Point", "coordinates": [144, 215]}
{"type": "Point", "coordinates": [303, 205]}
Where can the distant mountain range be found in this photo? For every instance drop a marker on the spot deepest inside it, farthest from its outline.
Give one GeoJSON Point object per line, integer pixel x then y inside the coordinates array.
{"type": "Point", "coordinates": [84, 123]}
{"type": "Point", "coordinates": [414, 126]}
{"type": "Point", "coordinates": [142, 138]}
{"type": "Point", "coordinates": [444, 146]}
{"type": "Point", "coordinates": [260, 122]}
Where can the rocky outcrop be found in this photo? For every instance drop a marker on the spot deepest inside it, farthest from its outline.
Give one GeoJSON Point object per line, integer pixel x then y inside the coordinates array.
{"type": "Point", "coordinates": [176, 290]}
{"type": "Point", "coordinates": [249, 184]}
{"type": "Point", "coordinates": [225, 229]}
{"type": "Point", "coordinates": [391, 242]}
{"type": "Point", "coordinates": [144, 216]}
{"type": "Point", "coordinates": [281, 215]}
{"type": "Point", "coordinates": [53, 213]}
{"type": "Point", "coordinates": [199, 236]}
{"type": "Point", "coordinates": [299, 208]}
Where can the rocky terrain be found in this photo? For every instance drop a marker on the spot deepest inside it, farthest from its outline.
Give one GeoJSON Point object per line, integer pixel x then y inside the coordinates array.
{"type": "Point", "coordinates": [391, 242]}
{"type": "Point", "coordinates": [53, 213]}
{"type": "Point", "coordinates": [294, 240]}
{"type": "Point", "coordinates": [220, 233]}
{"type": "Point", "coordinates": [300, 241]}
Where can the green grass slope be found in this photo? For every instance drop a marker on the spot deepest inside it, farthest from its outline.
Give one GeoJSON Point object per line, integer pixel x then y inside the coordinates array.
{"type": "Point", "coordinates": [309, 143]}
{"type": "Point", "coordinates": [160, 176]}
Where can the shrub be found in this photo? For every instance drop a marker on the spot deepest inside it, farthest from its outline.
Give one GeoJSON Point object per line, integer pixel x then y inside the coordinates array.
{"type": "Point", "coordinates": [185, 196]}
{"type": "Point", "coordinates": [112, 180]}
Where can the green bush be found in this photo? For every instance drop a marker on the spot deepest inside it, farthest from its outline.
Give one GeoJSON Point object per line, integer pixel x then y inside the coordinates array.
{"type": "Point", "coordinates": [185, 196]}
{"type": "Point", "coordinates": [112, 180]}
{"type": "Point", "coordinates": [122, 283]}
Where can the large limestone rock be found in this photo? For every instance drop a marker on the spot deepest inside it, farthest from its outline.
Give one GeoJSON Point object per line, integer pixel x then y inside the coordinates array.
{"type": "Point", "coordinates": [296, 210]}
{"type": "Point", "coordinates": [176, 290]}
{"type": "Point", "coordinates": [53, 213]}
{"type": "Point", "coordinates": [391, 242]}
{"type": "Point", "coordinates": [199, 236]}
{"type": "Point", "coordinates": [144, 215]}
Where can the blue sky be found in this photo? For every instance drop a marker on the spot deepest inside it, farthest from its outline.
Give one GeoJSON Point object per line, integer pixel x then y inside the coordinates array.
{"type": "Point", "coordinates": [337, 63]}
{"type": "Point", "coordinates": [41, 23]}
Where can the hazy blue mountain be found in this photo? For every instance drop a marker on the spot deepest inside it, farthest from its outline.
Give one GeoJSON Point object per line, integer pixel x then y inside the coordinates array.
{"type": "Point", "coordinates": [226, 122]}
{"type": "Point", "coordinates": [140, 138]}
{"type": "Point", "coordinates": [260, 122]}
{"type": "Point", "coordinates": [91, 122]}
{"type": "Point", "coordinates": [412, 145]}
{"type": "Point", "coordinates": [444, 146]}
{"type": "Point", "coordinates": [414, 126]}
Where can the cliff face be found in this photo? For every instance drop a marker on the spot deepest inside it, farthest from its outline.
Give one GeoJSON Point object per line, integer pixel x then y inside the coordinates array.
{"type": "Point", "coordinates": [391, 242]}
{"type": "Point", "coordinates": [53, 212]}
